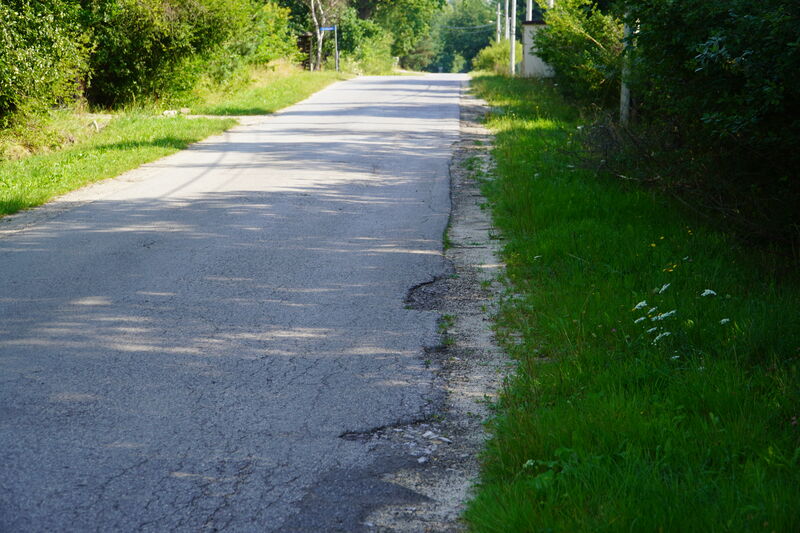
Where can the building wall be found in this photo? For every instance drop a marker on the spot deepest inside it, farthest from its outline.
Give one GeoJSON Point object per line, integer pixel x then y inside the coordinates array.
{"type": "Point", "coordinates": [532, 66]}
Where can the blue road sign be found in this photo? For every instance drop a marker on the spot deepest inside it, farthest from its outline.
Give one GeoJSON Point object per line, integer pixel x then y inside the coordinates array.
{"type": "Point", "coordinates": [328, 28]}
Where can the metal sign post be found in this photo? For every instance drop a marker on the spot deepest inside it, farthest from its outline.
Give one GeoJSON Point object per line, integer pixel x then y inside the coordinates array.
{"type": "Point", "coordinates": [335, 30]}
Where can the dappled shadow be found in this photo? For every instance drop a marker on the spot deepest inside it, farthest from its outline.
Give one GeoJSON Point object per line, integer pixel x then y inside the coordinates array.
{"type": "Point", "coordinates": [191, 346]}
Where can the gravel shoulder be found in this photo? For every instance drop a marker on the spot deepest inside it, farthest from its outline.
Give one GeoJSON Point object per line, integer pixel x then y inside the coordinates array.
{"type": "Point", "coordinates": [470, 365]}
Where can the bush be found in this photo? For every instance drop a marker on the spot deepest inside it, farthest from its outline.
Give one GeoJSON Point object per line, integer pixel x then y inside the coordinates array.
{"type": "Point", "coordinates": [496, 57]}
{"type": "Point", "coordinates": [266, 37]}
{"type": "Point", "coordinates": [145, 46]}
{"type": "Point", "coordinates": [43, 56]}
{"type": "Point", "coordinates": [584, 47]}
{"type": "Point", "coordinates": [364, 46]}
{"type": "Point", "coordinates": [724, 79]}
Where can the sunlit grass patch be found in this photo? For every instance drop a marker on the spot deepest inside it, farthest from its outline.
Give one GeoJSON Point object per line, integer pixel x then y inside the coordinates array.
{"type": "Point", "coordinates": [658, 380]}
{"type": "Point", "coordinates": [268, 92]}
{"type": "Point", "coordinates": [124, 144]}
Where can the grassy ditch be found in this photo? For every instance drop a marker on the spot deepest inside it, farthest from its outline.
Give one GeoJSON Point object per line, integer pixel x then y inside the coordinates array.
{"type": "Point", "coordinates": [657, 385]}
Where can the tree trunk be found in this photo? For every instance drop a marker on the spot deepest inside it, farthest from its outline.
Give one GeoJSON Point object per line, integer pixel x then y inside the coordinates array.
{"type": "Point", "coordinates": [318, 17]}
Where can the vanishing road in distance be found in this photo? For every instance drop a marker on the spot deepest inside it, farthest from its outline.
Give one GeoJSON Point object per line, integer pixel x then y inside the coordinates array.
{"type": "Point", "coordinates": [182, 348]}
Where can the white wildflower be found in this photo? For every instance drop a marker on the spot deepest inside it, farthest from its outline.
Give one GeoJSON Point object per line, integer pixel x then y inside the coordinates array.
{"type": "Point", "coordinates": [652, 330]}
{"type": "Point", "coordinates": [537, 257]}
{"type": "Point", "coordinates": [661, 336]}
{"type": "Point", "coordinates": [652, 310]}
{"type": "Point", "coordinates": [674, 357]}
{"type": "Point", "coordinates": [708, 292]}
{"type": "Point", "coordinates": [640, 319]}
{"type": "Point", "coordinates": [640, 305]}
{"type": "Point", "coordinates": [724, 321]}
{"type": "Point", "coordinates": [663, 288]}
{"type": "Point", "coordinates": [664, 316]}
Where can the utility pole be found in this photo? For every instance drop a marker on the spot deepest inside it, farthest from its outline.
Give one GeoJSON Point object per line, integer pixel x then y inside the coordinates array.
{"type": "Point", "coordinates": [513, 41]}
{"type": "Point", "coordinates": [499, 27]}
{"type": "Point", "coordinates": [508, 31]}
{"type": "Point", "coordinates": [529, 11]}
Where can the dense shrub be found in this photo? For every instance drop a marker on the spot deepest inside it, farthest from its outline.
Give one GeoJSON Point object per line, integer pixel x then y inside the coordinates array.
{"type": "Point", "coordinates": [716, 92]}
{"type": "Point", "coordinates": [365, 47]}
{"type": "Point", "coordinates": [725, 77]}
{"type": "Point", "coordinates": [145, 46]}
{"type": "Point", "coordinates": [43, 56]}
{"type": "Point", "coordinates": [496, 57]}
{"type": "Point", "coordinates": [264, 36]}
{"type": "Point", "coordinates": [584, 47]}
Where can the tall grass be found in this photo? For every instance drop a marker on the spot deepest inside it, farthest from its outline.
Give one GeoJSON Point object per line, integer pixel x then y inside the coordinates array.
{"type": "Point", "coordinates": [676, 414]}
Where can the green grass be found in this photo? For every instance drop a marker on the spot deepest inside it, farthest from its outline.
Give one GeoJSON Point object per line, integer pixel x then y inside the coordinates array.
{"type": "Point", "coordinates": [268, 92]}
{"type": "Point", "coordinates": [603, 428]}
{"type": "Point", "coordinates": [124, 144]}
{"type": "Point", "coordinates": [70, 155]}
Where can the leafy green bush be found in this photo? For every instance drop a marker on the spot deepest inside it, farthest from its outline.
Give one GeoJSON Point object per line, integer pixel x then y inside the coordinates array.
{"type": "Point", "coordinates": [584, 47]}
{"type": "Point", "coordinates": [266, 37]}
{"type": "Point", "coordinates": [364, 46]}
{"type": "Point", "coordinates": [43, 56]}
{"type": "Point", "coordinates": [496, 57]}
{"type": "Point", "coordinates": [145, 46]}
{"type": "Point", "coordinates": [724, 79]}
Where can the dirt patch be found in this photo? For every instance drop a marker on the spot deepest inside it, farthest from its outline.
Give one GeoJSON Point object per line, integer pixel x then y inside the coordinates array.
{"type": "Point", "coordinates": [469, 363]}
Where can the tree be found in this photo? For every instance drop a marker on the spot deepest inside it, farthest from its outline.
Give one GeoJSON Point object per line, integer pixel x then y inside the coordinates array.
{"type": "Point", "coordinates": [466, 28]}
{"type": "Point", "coordinates": [322, 13]}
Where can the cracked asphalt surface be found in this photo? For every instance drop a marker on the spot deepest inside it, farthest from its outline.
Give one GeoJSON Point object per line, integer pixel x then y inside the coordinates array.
{"type": "Point", "coordinates": [183, 347]}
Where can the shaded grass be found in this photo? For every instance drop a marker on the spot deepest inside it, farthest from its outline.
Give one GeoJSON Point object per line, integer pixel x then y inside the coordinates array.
{"type": "Point", "coordinates": [268, 92]}
{"type": "Point", "coordinates": [605, 428]}
{"type": "Point", "coordinates": [123, 145]}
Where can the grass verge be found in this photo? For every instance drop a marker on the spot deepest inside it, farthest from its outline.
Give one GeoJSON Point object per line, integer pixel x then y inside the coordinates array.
{"type": "Point", "coordinates": [71, 155]}
{"type": "Point", "coordinates": [267, 92]}
{"type": "Point", "coordinates": [657, 385]}
{"type": "Point", "coordinates": [124, 144]}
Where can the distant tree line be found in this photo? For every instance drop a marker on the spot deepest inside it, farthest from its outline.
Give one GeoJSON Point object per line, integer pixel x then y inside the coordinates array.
{"type": "Point", "coordinates": [117, 52]}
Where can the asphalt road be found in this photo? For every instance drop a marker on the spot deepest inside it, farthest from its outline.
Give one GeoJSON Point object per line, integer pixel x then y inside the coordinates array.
{"type": "Point", "coordinates": [182, 348]}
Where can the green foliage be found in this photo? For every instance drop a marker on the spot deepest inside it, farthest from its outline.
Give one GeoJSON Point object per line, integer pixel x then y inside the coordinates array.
{"type": "Point", "coordinates": [43, 56]}
{"type": "Point", "coordinates": [464, 29]}
{"type": "Point", "coordinates": [264, 38]}
{"type": "Point", "coordinates": [496, 57]}
{"type": "Point", "coordinates": [724, 77]}
{"type": "Point", "coordinates": [607, 424]}
{"type": "Point", "coordinates": [151, 47]}
{"type": "Point", "coordinates": [584, 47]}
{"type": "Point", "coordinates": [365, 46]}
{"type": "Point", "coordinates": [408, 21]}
